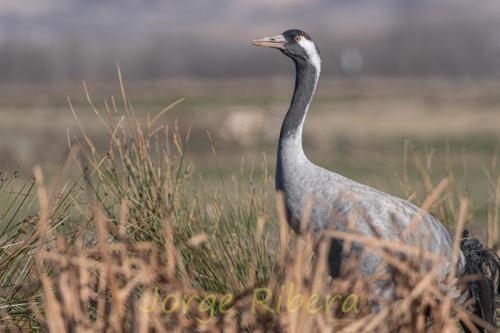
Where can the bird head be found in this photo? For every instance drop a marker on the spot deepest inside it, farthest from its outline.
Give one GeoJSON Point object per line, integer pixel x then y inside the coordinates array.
{"type": "Point", "coordinates": [295, 44]}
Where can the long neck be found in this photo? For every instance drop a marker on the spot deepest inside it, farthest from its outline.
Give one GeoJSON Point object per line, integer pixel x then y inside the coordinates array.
{"type": "Point", "coordinates": [306, 78]}
{"type": "Point", "coordinates": [290, 143]}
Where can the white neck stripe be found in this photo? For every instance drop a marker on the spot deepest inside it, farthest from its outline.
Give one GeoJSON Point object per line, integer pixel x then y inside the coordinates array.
{"type": "Point", "coordinates": [312, 53]}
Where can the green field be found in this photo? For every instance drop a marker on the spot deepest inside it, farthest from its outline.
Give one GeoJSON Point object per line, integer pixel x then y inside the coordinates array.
{"type": "Point", "coordinates": [358, 128]}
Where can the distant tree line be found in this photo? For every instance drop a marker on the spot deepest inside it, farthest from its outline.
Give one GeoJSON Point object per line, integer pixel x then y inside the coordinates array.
{"type": "Point", "coordinates": [411, 47]}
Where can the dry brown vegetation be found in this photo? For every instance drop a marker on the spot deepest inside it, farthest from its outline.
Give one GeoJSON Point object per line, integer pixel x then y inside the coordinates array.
{"type": "Point", "coordinates": [132, 239]}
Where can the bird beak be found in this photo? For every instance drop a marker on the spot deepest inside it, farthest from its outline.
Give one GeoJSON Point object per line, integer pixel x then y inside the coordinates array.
{"type": "Point", "coordinates": [277, 42]}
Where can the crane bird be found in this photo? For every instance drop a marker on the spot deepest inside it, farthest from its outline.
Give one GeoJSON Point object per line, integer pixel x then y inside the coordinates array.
{"type": "Point", "coordinates": [334, 196]}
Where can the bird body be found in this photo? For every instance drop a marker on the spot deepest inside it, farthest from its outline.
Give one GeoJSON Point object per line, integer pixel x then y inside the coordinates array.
{"type": "Point", "coordinates": [334, 198]}
{"type": "Point", "coordinates": [335, 201]}
{"type": "Point", "coordinates": [330, 201]}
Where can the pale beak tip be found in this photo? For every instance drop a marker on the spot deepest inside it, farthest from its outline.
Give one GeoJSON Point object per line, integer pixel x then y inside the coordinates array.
{"type": "Point", "coordinates": [256, 41]}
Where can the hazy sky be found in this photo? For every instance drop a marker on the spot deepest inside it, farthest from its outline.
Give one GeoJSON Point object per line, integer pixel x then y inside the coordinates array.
{"type": "Point", "coordinates": [71, 38]}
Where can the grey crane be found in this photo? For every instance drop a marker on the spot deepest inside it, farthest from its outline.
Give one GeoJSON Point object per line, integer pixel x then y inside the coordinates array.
{"type": "Point", "coordinates": [334, 199]}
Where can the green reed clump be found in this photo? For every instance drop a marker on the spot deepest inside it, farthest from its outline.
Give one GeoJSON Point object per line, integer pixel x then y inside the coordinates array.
{"type": "Point", "coordinates": [145, 172]}
{"type": "Point", "coordinates": [19, 239]}
{"type": "Point", "coordinates": [16, 243]}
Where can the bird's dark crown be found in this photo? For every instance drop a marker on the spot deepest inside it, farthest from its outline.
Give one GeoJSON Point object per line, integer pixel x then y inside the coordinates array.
{"type": "Point", "coordinates": [292, 34]}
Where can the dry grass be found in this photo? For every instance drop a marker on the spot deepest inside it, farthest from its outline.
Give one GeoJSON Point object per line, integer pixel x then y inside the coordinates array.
{"type": "Point", "coordinates": [138, 242]}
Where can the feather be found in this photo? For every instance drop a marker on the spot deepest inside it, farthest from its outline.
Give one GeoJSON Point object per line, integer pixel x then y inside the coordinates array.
{"type": "Point", "coordinates": [485, 289]}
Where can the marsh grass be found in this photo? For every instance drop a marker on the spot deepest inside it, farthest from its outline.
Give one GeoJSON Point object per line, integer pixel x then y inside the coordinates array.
{"type": "Point", "coordinates": [20, 239]}
{"type": "Point", "coordinates": [101, 251]}
{"type": "Point", "coordinates": [145, 172]}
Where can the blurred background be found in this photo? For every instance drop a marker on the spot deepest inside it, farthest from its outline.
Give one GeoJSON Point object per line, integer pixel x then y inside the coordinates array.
{"type": "Point", "coordinates": [393, 70]}
{"type": "Point", "coordinates": [55, 40]}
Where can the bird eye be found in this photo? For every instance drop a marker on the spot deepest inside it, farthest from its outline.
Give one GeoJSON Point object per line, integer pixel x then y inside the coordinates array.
{"type": "Point", "coordinates": [298, 38]}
